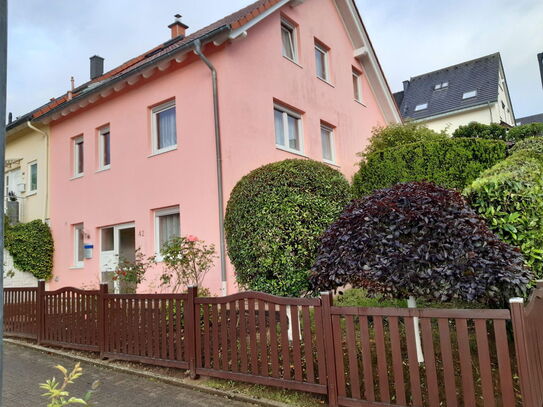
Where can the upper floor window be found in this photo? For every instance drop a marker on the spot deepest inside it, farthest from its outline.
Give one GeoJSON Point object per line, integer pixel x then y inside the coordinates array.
{"type": "Point", "coordinates": [32, 177]}
{"type": "Point", "coordinates": [441, 85]}
{"type": "Point", "coordinates": [288, 37]}
{"type": "Point", "coordinates": [167, 226]}
{"type": "Point", "coordinates": [357, 86]}
{"type": "Point", "coordinates": [321, 61]}
{"type": "Point", "coordinates": [104, 152]}
{"type": "Point", "coordinates": [79, 156]}
{"type": "Point", "coordinates": [327, 141]}
{"type": "Point", "coordinates": [470, 94]}
{"type": "Point", "coordinates": [79, 245]}
{"type": "Point", "coordinates": [422, 106]}
{"type": "Point", "coordinates": [288, 129]}
{"type": "Point", "coordinates": [164, 127]}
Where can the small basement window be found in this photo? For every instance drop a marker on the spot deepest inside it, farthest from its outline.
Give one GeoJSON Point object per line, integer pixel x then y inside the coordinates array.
{"type": "Point", "coordinates": [470, 94]}
{"type": "Point", "coordinates": [422, 106]}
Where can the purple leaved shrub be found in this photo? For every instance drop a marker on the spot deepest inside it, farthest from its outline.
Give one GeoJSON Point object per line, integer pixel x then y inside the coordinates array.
{"type": "Point", "coordinates": [422, 240]}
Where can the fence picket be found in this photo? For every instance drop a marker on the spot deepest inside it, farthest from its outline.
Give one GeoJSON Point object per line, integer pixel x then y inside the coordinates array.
{"type": "Point", "coordinates": [380, 346]}
{"type": "Point", "coordinates": [397, 360]}
{"type": "Point", "coordinates": [484, 362]}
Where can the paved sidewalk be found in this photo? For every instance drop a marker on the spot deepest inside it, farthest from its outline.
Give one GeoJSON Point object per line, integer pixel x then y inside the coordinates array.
{"type": "Point", "coordinates": [25, 368]}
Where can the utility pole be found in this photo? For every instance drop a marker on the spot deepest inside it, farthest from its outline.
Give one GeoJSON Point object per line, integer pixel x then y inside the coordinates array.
{"type": "Point", "coordinates": [3, 79]}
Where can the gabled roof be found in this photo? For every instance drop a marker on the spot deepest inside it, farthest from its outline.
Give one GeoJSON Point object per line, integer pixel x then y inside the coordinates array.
{"type": "Point", "coordinates": [481, 75]}
{"type": "Point", "coordinates": [535, 118]}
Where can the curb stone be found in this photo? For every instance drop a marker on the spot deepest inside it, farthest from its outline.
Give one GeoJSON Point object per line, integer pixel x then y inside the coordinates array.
{"type": "Point", "coordinates": [152, 376]}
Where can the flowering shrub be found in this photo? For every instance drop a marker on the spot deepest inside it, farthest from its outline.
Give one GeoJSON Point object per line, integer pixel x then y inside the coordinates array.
{"type": "Point", "coordinates": [133, 271]}
{"type": "Point", "coordinates": [186, 262]}
{"type": "Point", "coordinates": [421, 240]}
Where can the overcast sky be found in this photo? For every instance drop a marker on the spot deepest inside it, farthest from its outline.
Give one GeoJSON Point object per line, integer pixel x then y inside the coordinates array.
{"type": "Point", "coordinates": [49, 41]}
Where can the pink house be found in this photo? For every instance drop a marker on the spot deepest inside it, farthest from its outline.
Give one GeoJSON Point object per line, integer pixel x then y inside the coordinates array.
{"type": "Point", "coordinates": [146, 151]}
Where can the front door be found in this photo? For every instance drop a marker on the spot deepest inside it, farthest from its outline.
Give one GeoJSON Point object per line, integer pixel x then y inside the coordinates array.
{"type": "Point", "coordinates": [116, 243]}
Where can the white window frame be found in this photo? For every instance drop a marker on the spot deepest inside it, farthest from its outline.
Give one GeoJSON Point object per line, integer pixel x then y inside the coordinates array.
{"type": "Point", "coordinates": [291, 28]}
{"type": "Point", "coordinates": [288, 112]}
{"type": "Point", "coordinates": [441, 85]}
{"type": "Point", "coordinates": [163, 212]}
{"type": "Point", "coordinates": [329, 129]}
{"type": "Point", "coordinates": [101, 156]}
{"type": "Point", "coordinates": [76, 228]}
{"type": "Point", "coordinates": [358, 90]}
{"type": "Point", "coordinates": [30, 165]}
{"type": "Point", "coordinates": [421, 106]}
{"type": "Point", "coordinates": [470, 94]}
{"type": "Point", "coordinates": [154, 129]}
{"type": "Point", "coordinates": [325, 52]}
{"type": "Point", "coordinates": [75, 142]}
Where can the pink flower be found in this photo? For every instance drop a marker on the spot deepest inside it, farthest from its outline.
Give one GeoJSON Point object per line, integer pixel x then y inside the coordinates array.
{"type": "Point", "coordinates": [192, 238]}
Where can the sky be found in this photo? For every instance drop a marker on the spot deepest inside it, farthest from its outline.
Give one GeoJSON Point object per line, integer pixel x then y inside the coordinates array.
{"type": "Point", "coordinates": [50, 41]}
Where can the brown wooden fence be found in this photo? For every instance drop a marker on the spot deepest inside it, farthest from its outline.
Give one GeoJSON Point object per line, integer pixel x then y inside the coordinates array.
{"type": "Point", "coordinates": [355, 356]}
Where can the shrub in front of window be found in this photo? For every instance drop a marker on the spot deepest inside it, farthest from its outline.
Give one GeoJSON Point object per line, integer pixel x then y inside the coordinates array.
{"type": "Point", "coordinates": [396, 135]}
{"type": "Point", "coordinates": [510, 197]}
{"type": "Point", "coordinates": [525, 131]}
{"type": "Point", "coordinates": [31, 246]}
{"type": "Point", "coordinates": [534, 144]}
{"type": "Point", "coordinates": [451, 163]}
{"type": "Point", "coordinates": [421, 240]}
{"type": "Point", "coordinates": [487, 131]}
{"type": "Point", "coordinates": [274, 219]}
{"type": "Point", "coordinates": [132, 272]}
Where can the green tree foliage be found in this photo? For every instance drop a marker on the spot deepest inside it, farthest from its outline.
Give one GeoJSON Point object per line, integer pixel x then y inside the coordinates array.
{"type": "Point", "coordinates": [487, 131]}
{"type": "Point", "coordinates": [274, 220]}
{"type": "Point", "coordinates": [525, 131]}
{"type": "Point", "coordinates": [534, 144]}
{"type": "Point", "coordinates": [31, 246]}
{"type": "Point", "coordinates": [452, 163]}
{"type": "Point", "coordinates": [396, 135]}
{"type": "Point", "coordinates": [510, 197]}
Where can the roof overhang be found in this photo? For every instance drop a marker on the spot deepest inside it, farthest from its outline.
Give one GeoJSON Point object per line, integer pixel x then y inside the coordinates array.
{"type": "Point", "coordinates": [481, 106]}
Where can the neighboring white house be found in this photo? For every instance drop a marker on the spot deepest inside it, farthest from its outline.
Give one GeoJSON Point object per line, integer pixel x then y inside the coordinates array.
{"type": "Point", "coordinates": [14, 277]}
{"type": "Point", "coordinates": [475, 90]}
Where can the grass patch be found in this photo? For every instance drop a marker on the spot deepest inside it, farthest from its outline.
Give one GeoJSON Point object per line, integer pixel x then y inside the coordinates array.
{"type": "Point", "coordinates": [290, 397]}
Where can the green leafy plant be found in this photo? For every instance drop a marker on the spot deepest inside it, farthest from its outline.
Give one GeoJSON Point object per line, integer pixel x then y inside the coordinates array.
{"type": "Point", "coordinates": [510, 197]}
{"type": "Point", "coordinates": [57, 392]}
{"type": "Point", "coordinates": [534, 144]}
{"type": "Point", "coordinates": [31, 246]}
{"type": "Point", "coordinates": [274, 219]}
{"type": "Point", "coordinates": [186, 260]}
{"type": "Point", "coordinates": [479, 130]}
{"type": "Point", "coordinates": [451, 163]}
{"type": "Point", "coordinates": [396, 135]}
{"type": "Point", "coordinates": [133, 271]}
{"type": "Point", "coordinates": [419, 240]}
{"type": "Point", "coordinates": [525, 131]}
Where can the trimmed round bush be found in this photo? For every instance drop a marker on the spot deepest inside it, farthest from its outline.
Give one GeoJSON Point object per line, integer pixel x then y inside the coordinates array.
{"type": "Point", "coordinates": [479, 130]}
{"type": "Point", "coordinates": [534, 144]}
{"type": "Point", "coordinates": [274, 220]}
{"type": "Point", "coordinates": [525, 131]}
{"type": "Point", "coordinates": [422, 240]}
{"type": "Point", "coordinates": [510, 197]}
{"type": "Point", "coordinates": [451, 163]}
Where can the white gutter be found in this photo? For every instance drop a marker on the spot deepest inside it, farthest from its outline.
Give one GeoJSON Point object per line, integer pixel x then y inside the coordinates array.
{"type": "Point", "coordinates": [239, 31]}
{"type": "Point", "coordinates": [46, 206]}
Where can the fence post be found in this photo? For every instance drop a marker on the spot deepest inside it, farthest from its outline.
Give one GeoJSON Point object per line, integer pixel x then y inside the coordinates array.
{"type": "Point", "coordinates": [192, 314]}
{"type": "Point", "coordinates": [40, 311]}
{"type": "Point", "coordinates": [521, 349]}
{"type": "Point", "coordinates": [329, 350]}
{"type": "Point", "coordinates": [101, 318]}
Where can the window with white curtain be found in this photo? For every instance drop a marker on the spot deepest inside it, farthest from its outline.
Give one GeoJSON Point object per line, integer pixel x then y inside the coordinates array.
{"type": "Point", "coordinates": [164, 127]}
{"type": "Point", "coordinates": [288, 129]}
{"type": "Point", "coordinates": [167, 226]}
{"type": "Point", "coordinates": [79, 245]}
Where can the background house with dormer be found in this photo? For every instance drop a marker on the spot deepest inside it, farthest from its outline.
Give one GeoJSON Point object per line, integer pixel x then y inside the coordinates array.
{"type": "Point", "coordinates": [475, 90]}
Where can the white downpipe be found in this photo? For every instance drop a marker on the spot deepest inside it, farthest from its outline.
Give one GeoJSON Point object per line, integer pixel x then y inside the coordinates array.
{"type": "Point", "coordinates": [412, 303]}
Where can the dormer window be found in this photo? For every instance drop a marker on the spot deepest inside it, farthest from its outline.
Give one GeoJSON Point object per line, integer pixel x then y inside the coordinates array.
{"type": "Point", "coordinates": [422, 106]}
{"type": "Point", "coordinates": [470, 94]}
{"type": "Point", "coordinates": [441, 85]}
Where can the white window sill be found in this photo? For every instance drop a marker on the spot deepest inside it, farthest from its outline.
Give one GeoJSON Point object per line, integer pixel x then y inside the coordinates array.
{"type": "Point", "coordinates": [293, 61]}
{"type": "Point", "coordinates": [76, 267]}
{"type": "Point", "coordinates": [31, 193]}
{"type": "Point", "coordinates": [103, 169]}
{"type": "Point", "coordinates": [162, 151]}
{"type": "Point", "coordinates": [360, 102]}
{"type": "Point", "coordinates": [332, 163]}
{"type": "Point", "coordinates": [325, 81]}
{"type": "Point", "coordinates": [289, 150]}
{"type": "Point", "coordinates": [77, 176]}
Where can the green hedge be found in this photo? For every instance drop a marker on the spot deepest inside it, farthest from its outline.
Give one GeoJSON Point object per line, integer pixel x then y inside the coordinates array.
{"type": "Point", "coordinates": [510, 197]}
{"type": "Point", "coordinates": [525, 131]}
{"type": "Point", "coordinates": [451, 163]}
{"type": "Point", "coordinates": [479, 130]}
{"type": "Point", "coordinates": [31, 246]}
{"type": "Point", "coordinates": [530, 144]}
{"type": "Point", "coordinates": [274, 220]}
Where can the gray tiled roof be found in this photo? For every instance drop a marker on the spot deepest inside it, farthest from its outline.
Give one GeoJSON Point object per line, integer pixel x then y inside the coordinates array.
{"type": "Point", "coordinates": [480, 74]}
{"type": "Point", "coordinates": [536, 118]}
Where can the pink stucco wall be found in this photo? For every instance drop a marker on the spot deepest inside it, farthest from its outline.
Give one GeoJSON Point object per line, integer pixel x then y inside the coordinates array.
{"type": "Point", "coordinates": [252, 72]}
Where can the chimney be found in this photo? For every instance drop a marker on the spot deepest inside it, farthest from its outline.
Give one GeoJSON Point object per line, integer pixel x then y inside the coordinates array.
{"type": "Point", "coordinates": [405, 85]}
{"type": "Point", "coordinates": [540, 63]}
{"type": "Point", "coordinates": [177, 27]}
{"type": "Point", "coordinates": [96, 66]}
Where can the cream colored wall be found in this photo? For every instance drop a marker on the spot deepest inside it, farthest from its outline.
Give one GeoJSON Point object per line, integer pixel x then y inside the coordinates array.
{"type": "Point", "coordinates": [505, 111]}
{"type": "Point", "coordinates": [29, 145]}
{"type": "Point", "coordinates": [452, 122]}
